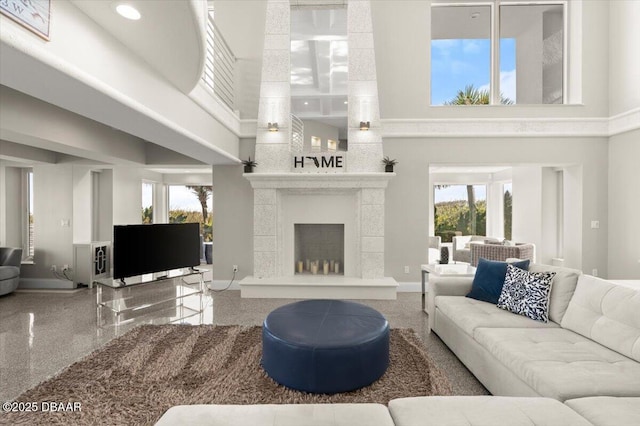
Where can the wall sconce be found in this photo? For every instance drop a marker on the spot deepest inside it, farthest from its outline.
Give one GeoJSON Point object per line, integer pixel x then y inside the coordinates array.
{"type": "Point", "coordinates": [364, 125]}
{"type": "Point", "coordinates": [272, 127]}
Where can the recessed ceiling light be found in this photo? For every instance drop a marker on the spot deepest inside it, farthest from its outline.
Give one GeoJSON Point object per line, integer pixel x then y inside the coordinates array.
{"type": "Point", "coordinates": [306, 103]}
{"type": "Point", "coordinates": [345, 102]}
{"type": "Point", "coordinates": [128, 11]}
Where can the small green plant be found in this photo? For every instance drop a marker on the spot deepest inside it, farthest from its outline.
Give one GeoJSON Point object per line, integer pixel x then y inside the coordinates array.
{"type": "Point", "coordinates": [249, 163]}
{"type": "Point", "coordinates": [389, 162]}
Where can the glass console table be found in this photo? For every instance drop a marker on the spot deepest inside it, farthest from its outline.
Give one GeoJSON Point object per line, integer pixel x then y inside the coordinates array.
{"type": "Point", "coordinates": [157, 298]}
{"type": "Point", "coordinates": [444, 270]}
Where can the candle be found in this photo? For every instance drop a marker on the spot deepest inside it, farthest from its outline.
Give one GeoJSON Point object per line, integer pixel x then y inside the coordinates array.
{"type": "Point", "coordinates": [325, 267]}
{"type": "Point", "coordinates": [332, 265]}
{"type": "Point", "coordinates": [300, 266]}
{"type": "Point", "coordinates": [308, 268]}
{"type": "Point", "coordinates": [314, 268]}
{"type": "Point", "coordinates": [337, 268]}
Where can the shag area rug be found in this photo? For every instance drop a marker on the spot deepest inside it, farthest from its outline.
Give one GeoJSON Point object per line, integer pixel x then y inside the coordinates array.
{"type": "Point", "coordinates": [135, 378]}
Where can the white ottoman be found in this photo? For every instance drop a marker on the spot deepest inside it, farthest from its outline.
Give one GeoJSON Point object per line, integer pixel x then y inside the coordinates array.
{"type": "Point", "coordinates": [278, 415]}
{"type": "Point", "coordinates": [608, 410]}
{"type": "Point", "coordinates": [482, 411]}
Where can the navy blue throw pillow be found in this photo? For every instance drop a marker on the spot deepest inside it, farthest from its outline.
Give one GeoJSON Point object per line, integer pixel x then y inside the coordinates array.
{"type": "Point", "coordinates": [489, 279]}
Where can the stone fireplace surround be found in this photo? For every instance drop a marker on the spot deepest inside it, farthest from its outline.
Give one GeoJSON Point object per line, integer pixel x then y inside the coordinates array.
{"type": "Point", "coordinates": [354, 199]}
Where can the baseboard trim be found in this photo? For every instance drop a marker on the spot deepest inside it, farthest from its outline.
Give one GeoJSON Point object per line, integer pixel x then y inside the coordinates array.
{"type": "Point", "coordinates": [409, 287]}
{"type": "Point", "coordinates": [218, 285]}
{"type": "Point", "coordinates": [403, 287]}
{"type": "Point", "coordinates": [45, 283]}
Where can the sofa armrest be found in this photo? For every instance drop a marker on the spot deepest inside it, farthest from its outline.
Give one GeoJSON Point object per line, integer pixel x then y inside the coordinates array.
{"type": "Point", "coordinates": [445, 286]}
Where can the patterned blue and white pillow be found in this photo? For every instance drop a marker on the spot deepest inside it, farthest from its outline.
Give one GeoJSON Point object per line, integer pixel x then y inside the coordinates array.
{"type": "Point", "coordinates": [526, 293]}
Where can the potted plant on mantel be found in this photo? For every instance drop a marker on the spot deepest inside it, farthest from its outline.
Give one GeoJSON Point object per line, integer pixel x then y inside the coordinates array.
{"type": "Point", "coordinates": [388, 164]}
{"type": "Point", "coordinates": [249, 165]}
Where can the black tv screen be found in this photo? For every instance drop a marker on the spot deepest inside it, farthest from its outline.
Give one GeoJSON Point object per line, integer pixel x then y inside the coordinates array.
{"type": "Point", "coordinates": [142, 249]}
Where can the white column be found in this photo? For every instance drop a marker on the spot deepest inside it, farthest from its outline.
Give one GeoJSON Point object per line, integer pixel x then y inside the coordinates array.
{"type": "Point", "coordinates": [372, 232]}
{"type": "Point", "coordinates": [365, 147]}
{"type": "Point", "coordinates": [273, 148]}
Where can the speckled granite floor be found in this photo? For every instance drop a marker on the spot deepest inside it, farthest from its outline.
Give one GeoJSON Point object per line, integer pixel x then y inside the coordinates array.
{"type": "Point", "coordinates": [42, 333]}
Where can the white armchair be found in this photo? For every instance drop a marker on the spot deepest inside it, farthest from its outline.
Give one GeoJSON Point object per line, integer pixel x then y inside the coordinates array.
{"type": "Point", "coordinates": [462, 249]}
{"type": "Point", "coordinates": [433, 255]}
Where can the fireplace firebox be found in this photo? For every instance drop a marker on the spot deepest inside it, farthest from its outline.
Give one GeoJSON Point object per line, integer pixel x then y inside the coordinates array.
{"type": "Point", "coordinates": [319, 248]}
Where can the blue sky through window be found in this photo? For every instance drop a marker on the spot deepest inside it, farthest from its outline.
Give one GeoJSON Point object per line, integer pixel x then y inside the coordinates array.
{"type": "Point", "coordinates": [456, 63]}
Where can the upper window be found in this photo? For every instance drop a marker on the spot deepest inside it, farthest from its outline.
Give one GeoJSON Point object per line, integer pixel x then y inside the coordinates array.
{"type": "Point", "coordinates": [498, 53]}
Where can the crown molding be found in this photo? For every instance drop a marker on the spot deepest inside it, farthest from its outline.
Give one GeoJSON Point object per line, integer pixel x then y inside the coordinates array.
{"type": "Point", "coordinates": [625, 122]}
{"type": "Point", "coordinates": [496, 127]}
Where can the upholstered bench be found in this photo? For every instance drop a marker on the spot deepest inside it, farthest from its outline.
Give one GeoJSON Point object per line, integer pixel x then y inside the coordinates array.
{"type": "Point", "coordinates": [325, 346]}
{"type": "Point", "coordinates": [482, 411]}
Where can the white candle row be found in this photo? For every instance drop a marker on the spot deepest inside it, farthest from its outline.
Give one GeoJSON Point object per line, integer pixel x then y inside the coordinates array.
{"type": "Point", "coordinates": [313, 266]}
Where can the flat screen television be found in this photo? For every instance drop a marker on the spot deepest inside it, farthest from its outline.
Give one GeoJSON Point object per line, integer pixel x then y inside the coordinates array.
{"type": "Point", "coordinates": [142, 249]}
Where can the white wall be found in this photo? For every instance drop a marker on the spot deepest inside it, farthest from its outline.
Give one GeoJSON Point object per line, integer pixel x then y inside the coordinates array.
{"type": "Point", "coordinates": [10, 206]}
{"type": "Point", "coordinates": [53, 203]}
{"type": "Point", "coordinates": [407, 197]}
{"type": "Point", "coordinates": [105, 205]}
{"type": "Point", "coordinates": [127, 194]}
{"type": "Point", "coordinates": [624, 75]}
{"type": "Point", "coordinates": [403, 63]}
{"type": "Point", "coordinates": [82, 206]}
{"type": "Point", "coordinates": [624, 206]}
{"type": "Point", "coordinates": [527, 206]}
{"type": "Point", "coordinates": [233, 218]}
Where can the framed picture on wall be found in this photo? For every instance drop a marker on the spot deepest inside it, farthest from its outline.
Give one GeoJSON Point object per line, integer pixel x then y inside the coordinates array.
{"type": "Point", "coordinates": [34, 15]}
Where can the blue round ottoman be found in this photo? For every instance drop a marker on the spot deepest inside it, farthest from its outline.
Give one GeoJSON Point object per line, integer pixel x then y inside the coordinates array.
{"type": "Point", "coordinates": [325, 346]}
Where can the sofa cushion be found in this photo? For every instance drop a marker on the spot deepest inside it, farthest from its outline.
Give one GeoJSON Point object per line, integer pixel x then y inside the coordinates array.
{"type": "Point", "coordinates": [561, 364]}
{"type": "Point", "coordinates": [277, 415]}
{"type": "Point", "coordinates": [526, 293]}
{"type": "Point", "coordinates": [562, 288]}
{"type": "Point", "coordinates": [608, 411]}
{"type": "Point", "coordinates": [482, 411]}
{"type": "Point", "coordinates": [489, 278]}
{"type": "Point", "coordinates": [606, 313]}
{"type": "Point", "coordinates": [469, 314]}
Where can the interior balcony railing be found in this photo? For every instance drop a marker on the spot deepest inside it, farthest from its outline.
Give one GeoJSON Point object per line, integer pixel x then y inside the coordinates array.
{"type": "Point", "coordinates": [219, 65]}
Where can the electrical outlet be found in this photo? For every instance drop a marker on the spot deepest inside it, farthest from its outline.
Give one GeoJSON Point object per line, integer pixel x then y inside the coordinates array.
{"type": "Point", "coordinates": [65, 267]}
{"type": "Point", "coordinates": [54, 268]}
{"type": "Point", "coordinates": [595, 224]}
{"type": "Point", "coordinates": [406, 269]}
{"type": "Point", "coordinates": [594, 272]}
{"type": "Point", "coordinates": [235, 268]}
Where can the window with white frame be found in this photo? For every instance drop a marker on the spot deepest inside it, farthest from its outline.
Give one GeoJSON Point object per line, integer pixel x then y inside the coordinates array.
{"type": "Point", "coordinates": [498, 52]}
{"type": "Point", "coordinates": [147, 202]}
{"type": "Point", "coordinates": [28, 246]}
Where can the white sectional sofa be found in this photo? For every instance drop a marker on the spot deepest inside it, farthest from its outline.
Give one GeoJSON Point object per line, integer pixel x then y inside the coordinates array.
{"type": "Point", "coordinates": [418, 411]}
{"type": "Point", "coordinates": [582, 368]}
{"type": "Point", "coordinates": [590, 347]}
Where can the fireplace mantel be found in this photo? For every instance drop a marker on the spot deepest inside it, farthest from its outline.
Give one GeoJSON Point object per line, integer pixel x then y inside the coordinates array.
{"type": "Point", "coordinates": [319, 180]}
